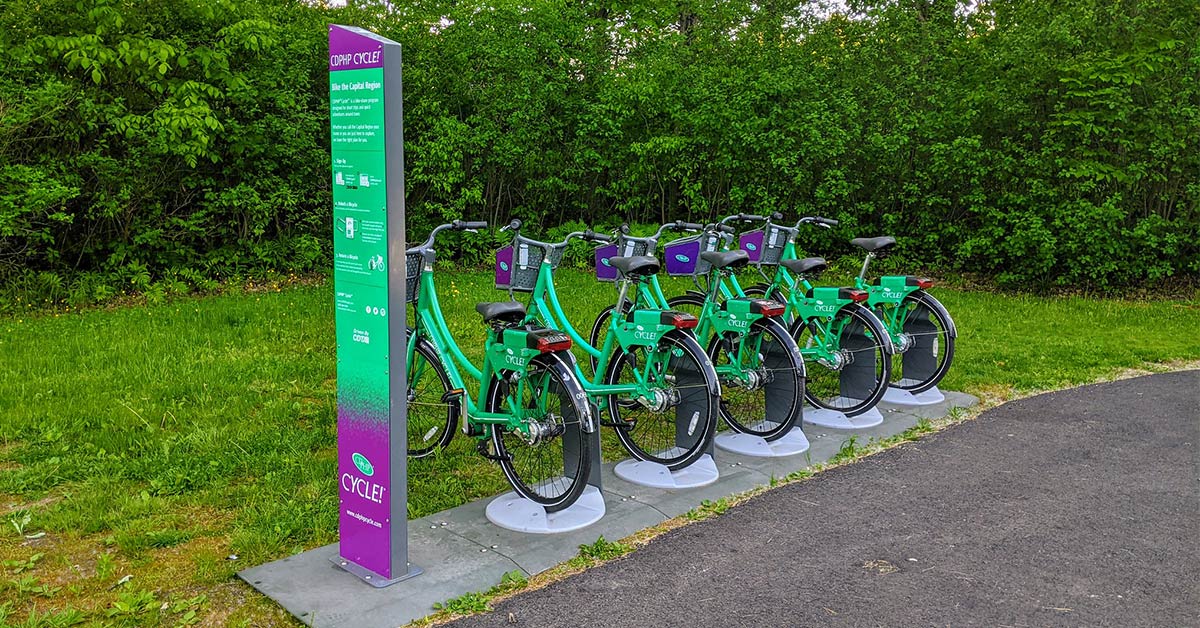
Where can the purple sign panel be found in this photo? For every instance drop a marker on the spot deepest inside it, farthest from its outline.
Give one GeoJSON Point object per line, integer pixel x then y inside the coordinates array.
{"type": "Point", "coordinates": [752, 242]}
{"type": "Point", "coordinates": [604, 270]}
{"type": "Point", "coordinates": [504, 270]}
{"type": "Point", "coordinates": [682, 256]}
{"type": "Point", "coordinates": [353, 48]}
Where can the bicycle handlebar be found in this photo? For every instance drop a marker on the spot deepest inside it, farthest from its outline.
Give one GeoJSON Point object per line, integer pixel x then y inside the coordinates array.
{"type": "Point", "coordinates": [456, 225]}
{"type": "Point", "coordinates": [818, 221]}
{"type": "Point", "coordinates": [589, 236]}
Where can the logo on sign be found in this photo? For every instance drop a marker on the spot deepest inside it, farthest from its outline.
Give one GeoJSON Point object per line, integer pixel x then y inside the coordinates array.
{"type": "Point", "coordinates": [363, 464]}
{"type": "Point", "coordinates": [605, 261]}
{"type": "Point", "coordinates": [682, 258]}
{"type": "Point", "coordinates": [504, 266]}
{"type": "Point", "coordinates": [750, 246]}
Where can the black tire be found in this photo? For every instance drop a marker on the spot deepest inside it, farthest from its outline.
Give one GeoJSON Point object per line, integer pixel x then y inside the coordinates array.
{"type": "Point", "coordinates": [656, 436]}
{"type": "Point", "coordinates": [553, 471]}
{"type": "Point", "coordinates": [854, 387]}
{"type": "Point", "coordinates": [932, 331]}
{"type": "Point", "coordinates": [773, 407]}
{"type": "Point", "coordinates": [431, 417]}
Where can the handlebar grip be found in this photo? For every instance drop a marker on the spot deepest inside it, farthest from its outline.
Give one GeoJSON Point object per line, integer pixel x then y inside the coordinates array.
{"type": "Point", "coordinates": [776, 216]}
{"type": "Point", "coordinates": [625, 228]}
{"type": "Point", "coordinates": [689, 226]}
{"type": "Point", "coordinates": [514, 225]}
{"type": "Point", "coordinates": [828, 222]}
{"type": "Point", "coordinates": [597, 237]}
{"type": "Point", "coordinates": [463, 225]}
{"type": "Point", "coordinates": [751, 218]}
{"type": "Point", "coordinates": [726, 229]}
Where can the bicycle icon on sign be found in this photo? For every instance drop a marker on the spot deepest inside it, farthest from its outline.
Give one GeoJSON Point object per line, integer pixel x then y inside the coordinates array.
{"type": "Point", "coordinates": [375, 263]}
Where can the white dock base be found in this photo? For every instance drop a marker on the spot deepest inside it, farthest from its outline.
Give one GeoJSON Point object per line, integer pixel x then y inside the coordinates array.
{"type": "Point", "coordinates": [905, 398]}
{"type": "Point", "coordinates": [839, 421]}
{"type": "Point", "coordinates": [513, 512]}
{"type": "Point", "coordinates": [790, 444]}
{"type": "Point", "coordinates": [702, 472]}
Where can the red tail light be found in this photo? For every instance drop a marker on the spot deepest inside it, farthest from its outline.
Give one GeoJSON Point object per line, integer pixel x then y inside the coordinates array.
{"type": "Point", "coordinates": [858, 296]}
{"type": "Point", "coordinates": [553, 342]}
{"type": "Point", "coordinates": [679, 320]}
{"type": "Point", "coordinates": [924, 283]}
{"type": "Point", "coordinates": [768, 308]}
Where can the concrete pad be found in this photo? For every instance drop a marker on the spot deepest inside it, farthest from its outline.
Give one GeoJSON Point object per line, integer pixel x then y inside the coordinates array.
{"type": "Point", "coordinates": [461, 552]}
{"type": "Point", "coordinates": [318, 593]}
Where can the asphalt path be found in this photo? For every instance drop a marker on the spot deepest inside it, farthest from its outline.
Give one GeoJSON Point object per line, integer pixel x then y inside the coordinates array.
{"type": "Point", "coordinates": [1075, 508]}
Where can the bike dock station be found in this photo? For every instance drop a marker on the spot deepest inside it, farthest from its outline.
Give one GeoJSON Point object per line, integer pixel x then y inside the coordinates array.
{"type": "Point", "coordinates": [385, 570]}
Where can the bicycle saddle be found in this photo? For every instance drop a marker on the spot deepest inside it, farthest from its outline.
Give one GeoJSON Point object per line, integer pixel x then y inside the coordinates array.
{"type": "Point", "coordinates": [505, 311]}
{"type": "Point", "coordinates": [726, 259]}
{"type": "Point", "coordinates": [880, 243]}
{"type": "Point", "coordinates": [806, 266]}
{"type": "Point", "coordinates": [635, 265]}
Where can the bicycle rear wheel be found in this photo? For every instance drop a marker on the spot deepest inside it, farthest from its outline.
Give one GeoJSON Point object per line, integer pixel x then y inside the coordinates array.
{"type": "Point", "coordinates": [676, 426]}
{"type": "Point", "coordinates": [551, 464]}
{"type": "Point", "coordinates": [762, 379]}
{"type": "Point", "coordinates": [849, 363]}
{"type": "Point", "coordinates": [431, 415]}
{"type": "Point", "coordinates": [925, 328]}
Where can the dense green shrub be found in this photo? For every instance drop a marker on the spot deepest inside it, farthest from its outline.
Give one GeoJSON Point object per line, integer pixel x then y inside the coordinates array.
{"type": "Point", "coordinates": [157, 146]}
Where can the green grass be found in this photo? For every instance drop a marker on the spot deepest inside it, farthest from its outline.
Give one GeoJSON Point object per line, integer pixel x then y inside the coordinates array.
{"type": "Point", "coordinates": [157, 441]}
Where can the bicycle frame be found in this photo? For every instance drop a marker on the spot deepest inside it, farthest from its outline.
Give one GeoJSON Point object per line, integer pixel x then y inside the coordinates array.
{"type": "Point", "coordinates": [506, 350]}
{"type": "Point", "coordinates": [645, 327]}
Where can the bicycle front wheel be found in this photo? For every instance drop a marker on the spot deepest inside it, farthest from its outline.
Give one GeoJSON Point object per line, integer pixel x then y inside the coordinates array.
{"type": "Point", "coordinates": [431, 415]}
{"type": "Point", "coordinates": [927, 334]}
{"type": "Point", "coordinates": [762, 379]}
{"type": "Point", "coordinates": [674, 422]}
{"type": "Point", "coordinates": [847, 357]}
{"type": "Point", "coordinates": [548, 460]}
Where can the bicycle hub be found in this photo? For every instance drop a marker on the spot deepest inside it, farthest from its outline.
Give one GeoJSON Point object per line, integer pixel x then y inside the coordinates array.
{"type": "Point", "coordinates": [544, 430]}
{"type": "Point", "coordinates": [662, 400]}
{"type": "Point", "coordinates": [904, 342]}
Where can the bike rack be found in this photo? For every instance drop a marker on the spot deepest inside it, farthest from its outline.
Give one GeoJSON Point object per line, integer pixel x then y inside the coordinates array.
{"type": "Point", "coordinates": [839, 421]}
{"type": "Point", "coordinates": [792, 443]}
{"type": "Point", "coordinates": [702, 472]}
{"type": "Point", "coordinates": [905, 398]}
{"type": "Point", "coordinates": [513, 512]}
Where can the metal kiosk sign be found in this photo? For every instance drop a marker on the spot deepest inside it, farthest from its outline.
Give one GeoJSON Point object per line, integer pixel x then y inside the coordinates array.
{"type": "Point", "coordinates": [367, 146]}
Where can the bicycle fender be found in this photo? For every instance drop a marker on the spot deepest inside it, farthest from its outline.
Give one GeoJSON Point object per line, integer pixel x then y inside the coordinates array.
{"type": "Point", "coordinates": [936, 305]}
{"type": "Point", "coordinates": [567, 361]}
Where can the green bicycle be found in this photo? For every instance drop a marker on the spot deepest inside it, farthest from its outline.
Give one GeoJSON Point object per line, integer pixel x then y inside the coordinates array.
{"type": "Point", "coordinates": [920, 326]}
{"type": "Point", "coordinates": [760, 367]}
{"type": "Point", "coordinates": [848, 348]}
{"type": "Point", "coordinates": [651, 378]}
{"type": "Point", "coordinates": [762, 376]}
{"type": "Point", "coordinates": [527, 404]}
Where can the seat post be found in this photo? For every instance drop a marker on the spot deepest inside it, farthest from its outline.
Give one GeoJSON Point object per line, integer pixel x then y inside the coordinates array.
{"type": "Point", "coordinates": [862, 274]}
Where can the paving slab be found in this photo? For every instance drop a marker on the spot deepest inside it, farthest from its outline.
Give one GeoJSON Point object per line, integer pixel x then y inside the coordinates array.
{"type": "Point", "coordinates": [461, 552]}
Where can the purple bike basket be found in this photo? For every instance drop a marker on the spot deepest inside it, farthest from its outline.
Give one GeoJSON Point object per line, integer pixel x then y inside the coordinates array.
{"type": "Point", "coordinates": [752, 242]}
{"type": "Point", "coordinates": [683, 255]}
{"type": "Point", "coordinates": [604, 271]}
{"type": "Point", "coordinates": [504, 258]}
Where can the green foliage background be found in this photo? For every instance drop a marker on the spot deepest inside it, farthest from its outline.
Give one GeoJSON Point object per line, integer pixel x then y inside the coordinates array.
{"type": "Point", "coordinates": [156, 146]}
